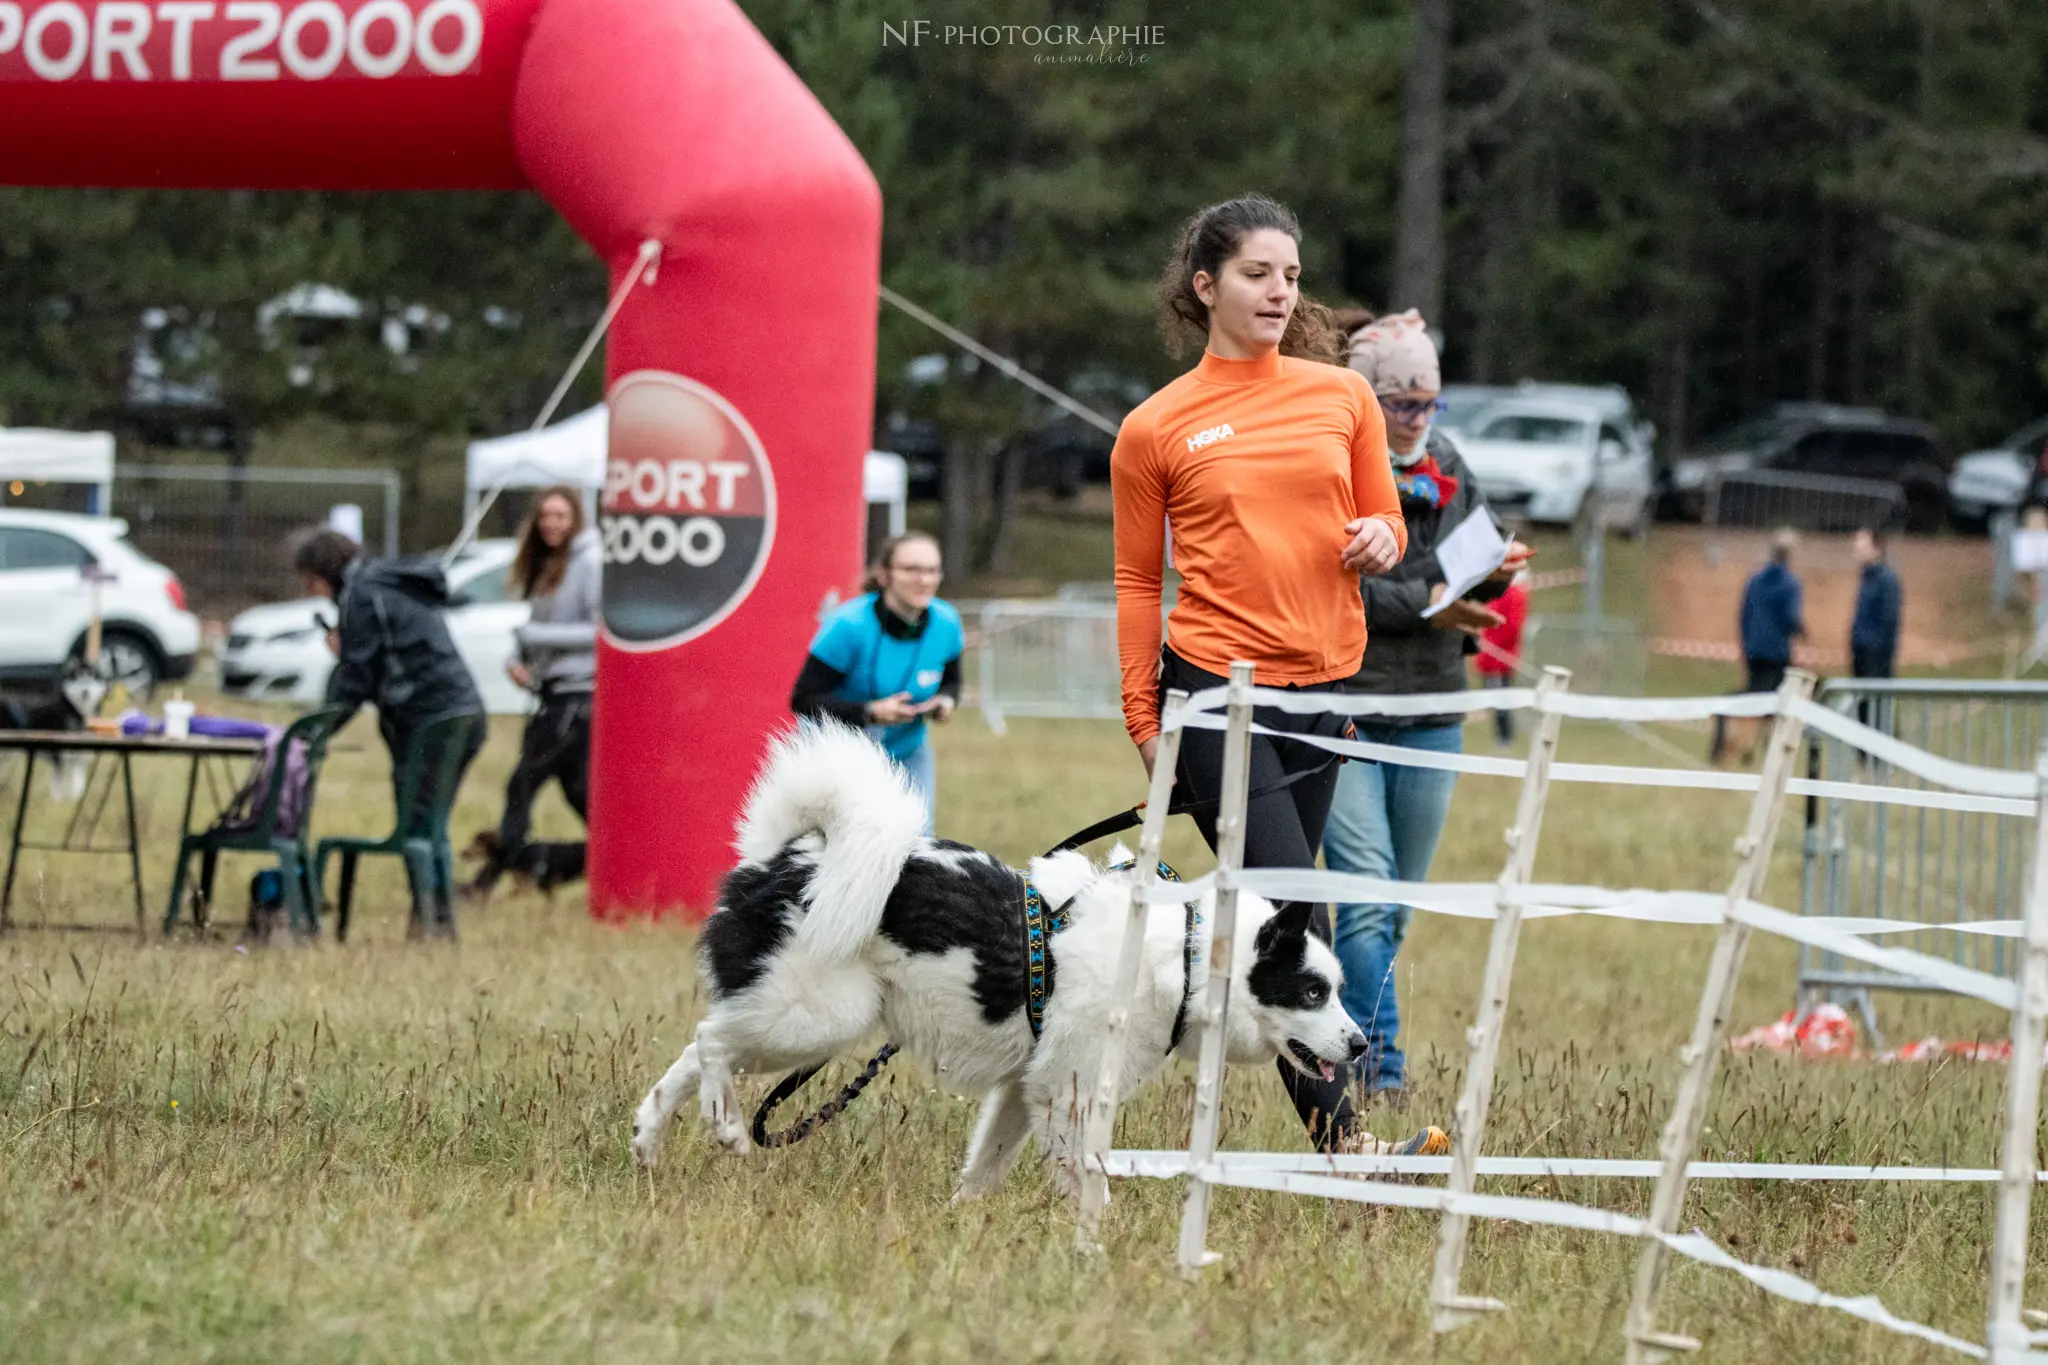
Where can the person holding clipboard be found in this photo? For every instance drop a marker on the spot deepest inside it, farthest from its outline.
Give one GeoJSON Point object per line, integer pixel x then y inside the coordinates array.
{"type": "Point", "coordinates": [889, 660]}
{"type": "Point", "coordinates": [1421, 617]}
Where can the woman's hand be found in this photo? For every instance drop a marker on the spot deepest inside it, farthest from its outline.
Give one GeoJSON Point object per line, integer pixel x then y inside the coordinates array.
{"type": "Point", "coordinates": [1149, 752]}
{"type": "Point", "coordinates": [519, 673]}
{"type": "Point", "coordinates": [939, 708]}
{"type": "Point", "coordinates": [893, 710]}
{"type": "Point", "coordinates": [1517, 560]}
{"type": "Point", "coordinates": [1470, 617]}
{"type": "Point", "coordinates": [1373, 548]}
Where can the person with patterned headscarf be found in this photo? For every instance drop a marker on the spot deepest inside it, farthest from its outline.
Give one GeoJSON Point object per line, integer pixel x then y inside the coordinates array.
{"type": "Point", "coordinates": [1386, 817]}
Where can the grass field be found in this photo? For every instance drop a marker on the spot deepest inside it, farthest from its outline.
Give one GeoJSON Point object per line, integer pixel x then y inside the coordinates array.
{"type": "Point", "coordinates": [393, 1153]}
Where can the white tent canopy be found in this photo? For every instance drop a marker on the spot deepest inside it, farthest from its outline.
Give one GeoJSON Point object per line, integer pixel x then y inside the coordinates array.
{"type": "Point", "coordinates": [33, 455]}
{"type": "Point", "coordinates": [572, 451]}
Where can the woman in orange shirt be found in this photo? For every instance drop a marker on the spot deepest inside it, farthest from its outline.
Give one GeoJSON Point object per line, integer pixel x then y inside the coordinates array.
{"type": "Point", "coordinates": [1268, 462]}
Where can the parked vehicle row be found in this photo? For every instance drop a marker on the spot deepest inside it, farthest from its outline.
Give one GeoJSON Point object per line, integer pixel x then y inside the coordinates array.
{"type": "Point", "coordinates": [1541, 450]}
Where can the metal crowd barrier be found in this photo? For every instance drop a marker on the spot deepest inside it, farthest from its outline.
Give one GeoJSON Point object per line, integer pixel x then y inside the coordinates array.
{"type": "Point", "coordinates": [1931, 866]}
{"type": "Point", "coordinates": [1048, 658]}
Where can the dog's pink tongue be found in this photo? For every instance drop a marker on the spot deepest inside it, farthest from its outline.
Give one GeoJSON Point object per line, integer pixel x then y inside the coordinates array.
{"type": "Point", "coordinates": [1328, 1069]}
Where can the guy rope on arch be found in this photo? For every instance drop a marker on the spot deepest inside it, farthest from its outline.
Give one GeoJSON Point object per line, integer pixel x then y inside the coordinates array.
{"type": "Point", "coordinates": [1738, 912]}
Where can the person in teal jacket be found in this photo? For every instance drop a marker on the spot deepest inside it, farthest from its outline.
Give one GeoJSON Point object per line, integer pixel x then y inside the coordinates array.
{"type": "Point", "coordinates": [889, 660]}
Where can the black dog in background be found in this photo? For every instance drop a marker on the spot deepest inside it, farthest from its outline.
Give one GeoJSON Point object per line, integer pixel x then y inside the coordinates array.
{"type": "Point", "coordinates": [63, 705]}
{"type": "Point", "coordinates": [542, 865]}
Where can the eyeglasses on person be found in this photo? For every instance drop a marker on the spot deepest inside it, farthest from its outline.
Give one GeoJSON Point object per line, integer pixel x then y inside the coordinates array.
{"type": "Point", "coordinates": [1408, 409]}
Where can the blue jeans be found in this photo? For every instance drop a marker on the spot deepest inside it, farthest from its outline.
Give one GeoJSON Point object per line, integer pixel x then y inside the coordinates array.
{"type": "Point", "coordinates": [924, 776]}
{"type": "Point", "coordinates": [1385, 823]}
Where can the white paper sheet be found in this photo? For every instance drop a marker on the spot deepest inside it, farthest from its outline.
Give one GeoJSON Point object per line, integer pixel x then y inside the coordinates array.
{"type": "Point", "coordinates": [1467, 555]}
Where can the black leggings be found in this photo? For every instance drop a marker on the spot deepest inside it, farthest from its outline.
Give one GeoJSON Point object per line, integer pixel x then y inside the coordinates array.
{"type": "Point", "coordinates": [1282, 829]}
{"type": "Point", "coordinates": [557, 745]}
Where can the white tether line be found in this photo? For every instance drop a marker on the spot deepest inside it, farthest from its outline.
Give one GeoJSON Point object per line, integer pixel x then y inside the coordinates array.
{"type": "Point", "coordinates": [643, 272]}
{"type": "Point", "coordinates": [1001, 362]}
{"type": "Point", "coordinates": [1696, 1246]}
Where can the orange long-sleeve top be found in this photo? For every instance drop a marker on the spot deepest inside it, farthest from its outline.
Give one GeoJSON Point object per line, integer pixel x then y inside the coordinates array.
{"type": "Point", "coordinates": [1257, 465]}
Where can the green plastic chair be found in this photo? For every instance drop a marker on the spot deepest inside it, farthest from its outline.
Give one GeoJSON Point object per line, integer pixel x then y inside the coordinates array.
{"type": "Point", "coordinates": [259, 833]}
{"type": "Point", "coordinates": [420, 833]}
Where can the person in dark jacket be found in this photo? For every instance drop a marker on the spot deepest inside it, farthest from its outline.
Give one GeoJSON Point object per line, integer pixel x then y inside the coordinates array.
{"type": "Point", "coordinates": [1874, 633]}
{"type": "Point", "coordinates": [393, 651]}
{"type": "Point", "coordinates": [1770, 621]}
{"type": "Point", "coordinates": [1387, 817]}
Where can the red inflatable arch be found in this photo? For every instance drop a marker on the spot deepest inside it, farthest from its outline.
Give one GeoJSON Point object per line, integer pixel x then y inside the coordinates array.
{"type": "Point", "coordinates": [742, 380]}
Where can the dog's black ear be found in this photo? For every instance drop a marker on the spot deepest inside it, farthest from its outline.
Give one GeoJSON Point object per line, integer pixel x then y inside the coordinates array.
{"type": "Point", "coordinates": [1291, 920]}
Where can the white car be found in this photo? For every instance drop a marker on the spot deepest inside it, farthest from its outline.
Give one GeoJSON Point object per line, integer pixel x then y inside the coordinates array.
{"type": "Point", "coordinates": [279, 651]}
{"type": "Point", "coordinates": [47, 563]}
{"type": "Point", "coordinates": [1985, 482]}
{"type": "Point", "coordinates": [1542, 458]}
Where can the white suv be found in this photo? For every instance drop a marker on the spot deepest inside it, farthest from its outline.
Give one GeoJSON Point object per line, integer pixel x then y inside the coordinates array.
{"type": "Point", "coordinates": [47, 562]}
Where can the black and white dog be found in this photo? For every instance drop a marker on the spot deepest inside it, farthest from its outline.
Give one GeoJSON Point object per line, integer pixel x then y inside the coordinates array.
{"type": "Point", "coordinates": [842, 918]}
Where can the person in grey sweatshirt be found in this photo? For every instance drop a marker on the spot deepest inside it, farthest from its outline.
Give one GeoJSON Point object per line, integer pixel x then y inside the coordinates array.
{"type": "Point", "coordinates": [559, 568]}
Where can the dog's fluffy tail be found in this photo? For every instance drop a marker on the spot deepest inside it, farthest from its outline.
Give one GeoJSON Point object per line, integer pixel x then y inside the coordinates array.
{"type": "Point", "coordinates": [827, 778]}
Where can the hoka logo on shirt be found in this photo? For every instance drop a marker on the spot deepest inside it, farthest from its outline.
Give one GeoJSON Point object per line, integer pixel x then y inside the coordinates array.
{"type": "Point", "coordinates": [1209, 437]}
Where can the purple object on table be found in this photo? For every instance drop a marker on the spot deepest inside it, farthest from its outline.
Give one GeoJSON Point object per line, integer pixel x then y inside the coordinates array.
{"type": "Point", "coordinates": [213, 727]}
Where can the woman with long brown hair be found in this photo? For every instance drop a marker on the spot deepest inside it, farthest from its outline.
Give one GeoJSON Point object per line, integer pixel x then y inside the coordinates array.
{"type": "Point", "coordinates": [559, 568]}
{"type": "Point", "coordinates": [1268, 461]}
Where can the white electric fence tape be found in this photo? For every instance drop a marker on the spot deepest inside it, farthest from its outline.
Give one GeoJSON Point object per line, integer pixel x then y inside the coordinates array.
{"type": "Point", "coordinates": [1166, 1164]}
{"type": "Point", "coordinates": [1696, 1246]}
{"type": "Point", "coordinates": [1971, 788]}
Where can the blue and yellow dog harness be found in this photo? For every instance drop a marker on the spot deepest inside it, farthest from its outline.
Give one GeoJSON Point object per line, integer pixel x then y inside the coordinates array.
{"type": "Point", "coordinates": [1041, 924]}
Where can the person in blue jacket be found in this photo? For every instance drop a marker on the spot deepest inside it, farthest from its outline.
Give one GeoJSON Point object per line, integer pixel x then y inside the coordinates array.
{"type": "Point", "coordinates": [1771, 620]}
{"type": "Point", "coordinates": [889, 660]}
{"type": "Point", "coordinates": [1874, 633]}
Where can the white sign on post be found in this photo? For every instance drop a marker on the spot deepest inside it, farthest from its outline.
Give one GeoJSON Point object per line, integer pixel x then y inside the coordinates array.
{"type": "Point", "coordinates": [347, 518]}
{"type": "Point", "coordinates": [2030, 551]}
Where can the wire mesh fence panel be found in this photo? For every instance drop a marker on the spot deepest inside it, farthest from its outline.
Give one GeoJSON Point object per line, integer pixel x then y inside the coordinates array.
{"type": "Point", "coordinates": [230, 533]}
{"type": "Point", "coordinates": [1055, 659]}
{"type": "Point", "coordinates": [1606, 654]}
{"type": "Point", "coordinates": [1937, 867]}
{"type": "Point", "coordinates": [1764, 500]}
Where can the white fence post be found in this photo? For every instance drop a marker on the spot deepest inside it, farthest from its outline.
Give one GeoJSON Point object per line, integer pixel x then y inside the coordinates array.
{"type": "Point", "coordinates": [2008, 1336]}
{"type": "Point", "coordinates": [1449, 1309]}
{"type": "Point", "coordinates": [1647, 1345]}
{"type": "Point", "coordinates": [1099, 1123]}
{"type": "Point", "coordinates": [1230, 817]}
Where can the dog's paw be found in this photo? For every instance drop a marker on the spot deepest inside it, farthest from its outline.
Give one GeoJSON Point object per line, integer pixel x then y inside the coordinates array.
{"type": "Point", "coordinates": [732, 1135]}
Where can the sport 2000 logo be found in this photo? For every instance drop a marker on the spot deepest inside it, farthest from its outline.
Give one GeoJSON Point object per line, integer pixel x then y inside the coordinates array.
{"type": "Point", "coordinates": [237, 40]}
{"type": "Point", "coordinates": [688, 514]}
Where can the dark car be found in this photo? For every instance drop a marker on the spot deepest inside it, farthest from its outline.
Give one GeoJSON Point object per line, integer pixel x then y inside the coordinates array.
{"type": "Point", "coordinates": [1060, 450]}
{"type": "Point", "coordinates": [1820, 440]}
{"type": "Point", "coordinates": [923, 448]}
